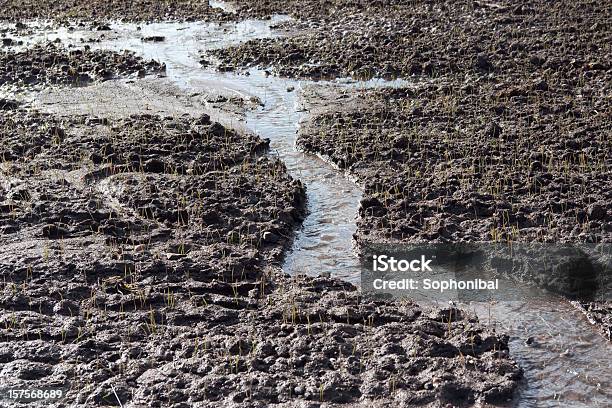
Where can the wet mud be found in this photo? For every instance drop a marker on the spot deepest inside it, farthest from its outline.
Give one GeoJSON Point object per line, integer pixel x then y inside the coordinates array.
{"type": "Point", "coordinates": [599, 314]}
{"type": "Point", "coordinates": [142, 251]}
{"type": "Point", "coordinates": [528, 43]}
{"type": "Point", "coordinates": [433, 173]}
{"type": "Point", "coordinates": [504, 141]}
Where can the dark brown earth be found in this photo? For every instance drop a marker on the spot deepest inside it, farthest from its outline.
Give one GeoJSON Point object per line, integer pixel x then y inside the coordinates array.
{"type": "Point", "coordinates": [137, 10]}
{"type": "Point", "coordinates": [51, 63]}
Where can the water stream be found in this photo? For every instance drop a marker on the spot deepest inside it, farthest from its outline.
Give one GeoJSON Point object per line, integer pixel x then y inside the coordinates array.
{"type": "Point", "coordinates": [566, 363]}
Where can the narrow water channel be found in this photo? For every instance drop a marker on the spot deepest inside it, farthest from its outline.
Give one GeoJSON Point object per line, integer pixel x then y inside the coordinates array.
{"type": "Point", "coordinates": [566, 363]}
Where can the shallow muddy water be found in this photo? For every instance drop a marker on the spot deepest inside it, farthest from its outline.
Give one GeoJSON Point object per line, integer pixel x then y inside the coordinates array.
{"type": "Point", "coordinates": [566, 363]}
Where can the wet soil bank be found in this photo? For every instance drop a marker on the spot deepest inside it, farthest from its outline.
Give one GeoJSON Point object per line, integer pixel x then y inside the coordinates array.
{"type": "Point", "coordinates": [174, 335]}
{"type": "Point", "coordinates": [504, 134]}
{"type": "Point", "coordinates": [308, 10]}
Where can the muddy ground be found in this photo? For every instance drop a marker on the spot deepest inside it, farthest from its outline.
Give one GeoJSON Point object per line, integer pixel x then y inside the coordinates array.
{"type": "Point", "coordinates": [140, 251]}
{"type": "Point", "coordinates": [178, 10]}
{"type": "Point", "coordinates": [316, 11]}
{"type": "Point", "coordinates": [139, 265]}
{"type": "Point", "coordinates": [468, 164]}
{"type": "Point", "coordinates": [153, 94]}
{"type": "Point", "coordinates": [131, 274]}
{"type": "Point", "coordinates": [531, 42]}
{"type": "Point", "coordinates": [503, 133]}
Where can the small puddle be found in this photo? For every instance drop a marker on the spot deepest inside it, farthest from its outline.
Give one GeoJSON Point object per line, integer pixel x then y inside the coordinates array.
{"type": "Point", "coordinates": [566, 363]}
